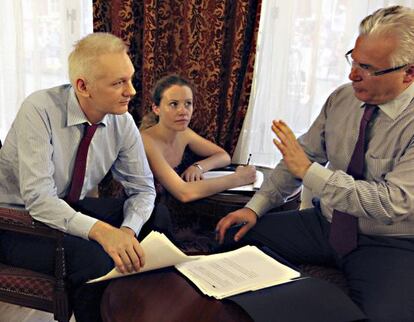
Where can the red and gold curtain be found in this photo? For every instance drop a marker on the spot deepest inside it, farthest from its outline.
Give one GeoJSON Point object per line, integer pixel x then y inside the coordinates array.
{"type": "Point", "coordinates": [210, 42]}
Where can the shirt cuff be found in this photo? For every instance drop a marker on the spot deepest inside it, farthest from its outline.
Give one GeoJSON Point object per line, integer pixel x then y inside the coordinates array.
{"type": "Point", "coordinates": [135, 223]}
{"type": "Point", "coordinates": [259, 204]}
{"type": "Point", "coordinates": [316, 178]}
{"type": "Point", "coordinates": [135, 217]}
{"type": "Point", "coordinates": [80, 225]}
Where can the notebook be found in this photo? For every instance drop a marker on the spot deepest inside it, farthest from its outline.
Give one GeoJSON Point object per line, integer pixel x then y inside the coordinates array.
{"type": "Point", "coordinates": [249, 187]}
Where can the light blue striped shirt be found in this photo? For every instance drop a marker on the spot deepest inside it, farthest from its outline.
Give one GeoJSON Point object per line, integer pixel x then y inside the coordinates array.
{"type": "Point", "coordinates": [384, 201]}
{"type": "Point", "coordinates": [38, 156]}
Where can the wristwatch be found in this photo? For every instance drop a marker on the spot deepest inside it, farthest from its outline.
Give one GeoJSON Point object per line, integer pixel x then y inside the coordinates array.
{"type": "Point", "coordinates": [198, 166]}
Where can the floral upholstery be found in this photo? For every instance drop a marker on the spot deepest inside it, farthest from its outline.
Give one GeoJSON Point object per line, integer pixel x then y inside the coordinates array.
{"type": "Point", "coordinates": [27, 283]}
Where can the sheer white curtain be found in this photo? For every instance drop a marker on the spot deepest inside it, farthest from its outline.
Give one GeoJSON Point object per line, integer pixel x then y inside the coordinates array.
{"type": "Point", "coordinates": [35, 40]}
{"type": "Point", "coordinates": [300, 60]}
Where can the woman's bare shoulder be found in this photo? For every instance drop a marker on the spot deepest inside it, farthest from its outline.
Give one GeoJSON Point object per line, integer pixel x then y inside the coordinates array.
{"type": "Point", "coordinates": [149, 133]}
{"type": "Point", "coordinates": [151, 141]}
{"type": "Point", "coordinates": [190, 135]}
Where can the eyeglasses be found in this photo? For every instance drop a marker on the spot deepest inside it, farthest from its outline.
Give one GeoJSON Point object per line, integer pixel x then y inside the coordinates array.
{"type": "Point", "coordinates": [368, 69]}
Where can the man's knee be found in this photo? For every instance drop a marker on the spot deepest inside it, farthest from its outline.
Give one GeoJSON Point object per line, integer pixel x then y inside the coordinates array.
{"type": "Point", "coordinates": [385, 301]}
{"type": "Point", "coordinates": [386, 310]}
{"type": "Point", "coordinates": [85, 260]}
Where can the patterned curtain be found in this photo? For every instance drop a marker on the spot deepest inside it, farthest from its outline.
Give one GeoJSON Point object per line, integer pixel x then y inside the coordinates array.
{"type": "Point", "coordinates": [210, 42]}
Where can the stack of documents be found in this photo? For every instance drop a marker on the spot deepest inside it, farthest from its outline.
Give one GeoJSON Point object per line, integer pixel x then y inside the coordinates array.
{"type": "Point", "coordinates": [218, 275]}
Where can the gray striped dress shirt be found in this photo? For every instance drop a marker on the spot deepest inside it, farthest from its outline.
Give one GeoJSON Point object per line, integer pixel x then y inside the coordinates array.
{"type": "Point", "coordinates": [38, 156]}
{"type": "Point", "coordinates": [384, 201]}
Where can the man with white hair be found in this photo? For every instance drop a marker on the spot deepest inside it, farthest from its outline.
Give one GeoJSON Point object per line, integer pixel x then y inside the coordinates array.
{"type": "Point", "coordinates": [356, 163]}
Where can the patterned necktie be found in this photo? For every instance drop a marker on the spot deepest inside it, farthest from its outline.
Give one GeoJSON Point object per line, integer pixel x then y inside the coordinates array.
{"type": "Point", "coordinates": [78, 175]}
{"type": "Point", "coordinates": [344, 227]}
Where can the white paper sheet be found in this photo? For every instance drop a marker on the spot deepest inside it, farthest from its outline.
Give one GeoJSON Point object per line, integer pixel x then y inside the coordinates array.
{"type": "Point", "coordinates": [218, 275]}
{"type": "Point", "coordinates": [249, 187]}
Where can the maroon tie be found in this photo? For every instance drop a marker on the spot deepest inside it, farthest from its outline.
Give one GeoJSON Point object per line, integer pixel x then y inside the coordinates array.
{"type": "Point", "coordinates": [344, 227]}
{"type": "Point", "coordinates": [78, 175]}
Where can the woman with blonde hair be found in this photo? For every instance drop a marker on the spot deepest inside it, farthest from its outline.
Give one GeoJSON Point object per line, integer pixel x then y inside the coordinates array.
{"type": "Point", "coordinates": [169, 141]}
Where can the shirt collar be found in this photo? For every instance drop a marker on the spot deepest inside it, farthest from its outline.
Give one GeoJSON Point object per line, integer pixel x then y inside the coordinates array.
{"type": "Point", "coordinates": [396, 106]}
{"type": "Point", "coordinates": [75, 114]}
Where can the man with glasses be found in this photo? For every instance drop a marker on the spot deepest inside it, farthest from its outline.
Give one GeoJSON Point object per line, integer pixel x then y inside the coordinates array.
{"type": "Point", "coordinates": [356, 165]}
{"type": "Point", "coordinates": [368, 69]}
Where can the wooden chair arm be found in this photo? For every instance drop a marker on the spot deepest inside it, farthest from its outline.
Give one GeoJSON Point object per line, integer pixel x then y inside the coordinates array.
{"type": "Point", "coordinates": [21, 221]}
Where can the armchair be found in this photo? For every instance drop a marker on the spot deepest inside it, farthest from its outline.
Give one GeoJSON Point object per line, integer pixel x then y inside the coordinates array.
{"type": "Point", "coordinates": [29, 288]}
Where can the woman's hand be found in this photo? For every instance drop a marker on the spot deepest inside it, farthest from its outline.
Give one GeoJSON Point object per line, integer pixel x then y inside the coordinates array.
{"type": "Point", "coordinates": [192, 173]}
{"type": "Point", "coordinates": [246, 174]}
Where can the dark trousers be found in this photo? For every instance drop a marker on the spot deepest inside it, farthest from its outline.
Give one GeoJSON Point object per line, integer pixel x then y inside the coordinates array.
{"type": "Point", "coordinates": [85, 259]}
{"type": "Point", "coordinates": [380, 272]}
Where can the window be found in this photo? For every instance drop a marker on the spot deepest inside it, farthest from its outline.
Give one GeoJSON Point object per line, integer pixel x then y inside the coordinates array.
{"type": "Point", "coordinates": [300, 61]}
{"type": "Point", "coordinates": [35, 41]}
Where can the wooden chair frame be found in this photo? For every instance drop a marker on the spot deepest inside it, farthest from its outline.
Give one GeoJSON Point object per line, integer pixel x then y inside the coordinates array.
{"type": "Point", "coordinates": [21, 222]}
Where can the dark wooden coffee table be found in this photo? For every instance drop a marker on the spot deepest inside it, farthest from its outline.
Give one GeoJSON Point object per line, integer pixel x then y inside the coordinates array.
{"type": "Point", "coordinates": [164, 296]}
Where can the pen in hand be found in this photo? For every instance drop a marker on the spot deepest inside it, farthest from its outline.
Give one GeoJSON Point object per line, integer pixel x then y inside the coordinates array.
{"type": "Point", "coordinates": [248, 160]}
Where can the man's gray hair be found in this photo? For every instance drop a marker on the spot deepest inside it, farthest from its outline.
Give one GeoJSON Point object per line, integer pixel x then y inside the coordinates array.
{"type": "Point", "coordinates": [397, 21]}
{"type": "Point", "coordinates": [82, 60]}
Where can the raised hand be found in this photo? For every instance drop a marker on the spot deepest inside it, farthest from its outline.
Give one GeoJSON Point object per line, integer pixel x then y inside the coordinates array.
{"type": "Point", "coordinates": [293, 154]}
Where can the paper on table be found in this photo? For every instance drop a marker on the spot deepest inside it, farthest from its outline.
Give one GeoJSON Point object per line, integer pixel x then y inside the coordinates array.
{"type": "Point", "coordinates": [249, 187]}
{"type": "Point", "coordinates": [159, 252]}
{"type": "Point", "coordinates": [219, 275]}
{"type": "Point", "coordinates": [244, 269]}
